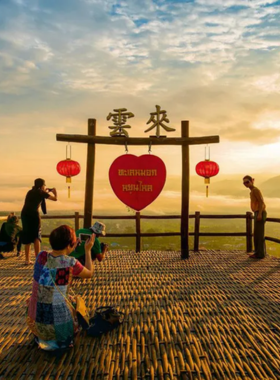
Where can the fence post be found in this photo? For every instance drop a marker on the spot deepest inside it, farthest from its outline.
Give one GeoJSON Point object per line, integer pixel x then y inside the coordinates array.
{"type": "Point", "coordinates": [77, 223]}
{"type": "Point", "coordinates": [196, 231]}
{"type": "Point", "coordinates": [138, 231]}
{"type": "Point", "coordinates": [249, 244]}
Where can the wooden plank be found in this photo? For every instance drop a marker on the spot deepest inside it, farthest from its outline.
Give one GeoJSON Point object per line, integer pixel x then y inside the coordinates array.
{"type": "Point", "coordinates": [222, 234]}
{"type": "Point", "coordinates": [138, 232]}
{"type": "Point", "coordinates": [185, 193]}
{"type": "Point", "coordinates": [122, 235]}
{"type": "Point", "coordinates": [275, 220]}
{"type": "Point", "coordinates": [160, 217]}
{"type": "Point", "coordinates": [104, 140]}
{"type": "Point", "coordinates": [249, 243]}
{"type": "Point", "coordinates": [272, 239]}
{"type": "Point", "coordinates": [89, 176]}
{"type": "Point", "coordinates": [57, 216]}
{"type": "Point", "coordinates": [82, 216]}
{"type": "Point", "coordinates": [196, 231]}
{"type": "Point", "coordinates": [192, 216]}
{"type": "Point", "coordinates": [237, 216]}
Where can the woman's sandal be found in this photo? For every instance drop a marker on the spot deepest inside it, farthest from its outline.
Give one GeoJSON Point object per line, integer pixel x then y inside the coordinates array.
{"type": "Point", "coordinates": [28, 263]}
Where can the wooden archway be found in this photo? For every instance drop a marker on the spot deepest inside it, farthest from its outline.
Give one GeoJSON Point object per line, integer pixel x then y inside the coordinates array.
{"type": "Point", "coordinates": [185, 141]}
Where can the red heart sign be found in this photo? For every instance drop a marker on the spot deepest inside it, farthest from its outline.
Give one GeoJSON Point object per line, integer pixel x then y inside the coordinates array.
{"type": "Point", "coordinates": [137, 181]}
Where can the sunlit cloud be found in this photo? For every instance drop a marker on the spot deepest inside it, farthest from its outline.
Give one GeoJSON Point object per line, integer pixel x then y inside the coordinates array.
{"type": "Point", "coordinates": [213, 62]}
{"type": "Point", "coordinates": [269, 83]}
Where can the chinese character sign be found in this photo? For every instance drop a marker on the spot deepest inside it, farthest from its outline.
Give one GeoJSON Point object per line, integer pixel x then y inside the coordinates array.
{"type": "Point", "coordinates": [137, 181]}
{"type": "Point", "coordinates": [119, 119]}
{"type": "Point", "coordinates": [158, 118]}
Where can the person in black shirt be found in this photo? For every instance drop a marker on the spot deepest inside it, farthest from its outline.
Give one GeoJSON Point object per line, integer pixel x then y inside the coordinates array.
{"type": "Point", "coordinates": [31, 221]}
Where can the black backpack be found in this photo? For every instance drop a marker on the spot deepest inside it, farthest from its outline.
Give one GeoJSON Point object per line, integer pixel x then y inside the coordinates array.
{"type": "Point", "coordinates": [106, 318]}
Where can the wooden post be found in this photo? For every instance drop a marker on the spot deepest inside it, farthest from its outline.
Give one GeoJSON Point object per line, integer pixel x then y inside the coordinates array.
{"type": "Point", "coordinates": [196, 231]}
{"type": "Point", "coordinates": [138, 231]}
{"type": "Point", "coordinates": [249, 242]}
{"type": "Point", "coordinates": [185, 193]}
{"type": "Point", "coordinates": [89, 175]}
{"type": "Point", "coordinates": [77, 223]}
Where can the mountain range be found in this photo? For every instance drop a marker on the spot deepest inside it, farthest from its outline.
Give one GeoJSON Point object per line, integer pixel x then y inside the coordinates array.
{"type": "Point", "coordinates": [229, 186]}
{"type": "Point", "coordinates": [269, 188]}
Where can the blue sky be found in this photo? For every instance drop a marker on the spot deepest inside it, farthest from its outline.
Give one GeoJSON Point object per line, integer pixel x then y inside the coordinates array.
{"type": "Point", "coordinates": [213, 62]}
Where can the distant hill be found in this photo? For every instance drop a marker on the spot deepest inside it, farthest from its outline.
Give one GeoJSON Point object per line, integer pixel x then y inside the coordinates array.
{"type": "Point", "coordinates": [271, 187]}
{"type": "Point", "coordinates": [232, 188]}
{"type": "Point", "coordinates": [226, 187]}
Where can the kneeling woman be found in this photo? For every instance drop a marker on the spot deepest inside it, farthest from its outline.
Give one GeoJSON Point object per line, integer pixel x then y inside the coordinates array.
{"type": "Point", "coordinates": [50, 315]}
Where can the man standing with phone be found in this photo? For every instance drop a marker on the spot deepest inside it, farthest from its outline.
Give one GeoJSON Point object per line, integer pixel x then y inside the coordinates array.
{"type": "Point", "coordinates": [98, 250]}
{"type": "Point", "coordinates": [30, 216]}
{"type": "Point", "coordinates": [259, 209]}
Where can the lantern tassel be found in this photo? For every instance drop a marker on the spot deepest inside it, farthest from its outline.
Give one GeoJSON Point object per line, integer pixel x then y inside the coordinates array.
{"type": "Point", "coordinates": [68, 191]}
{"type": "Point", "coordinates": [206, 191]}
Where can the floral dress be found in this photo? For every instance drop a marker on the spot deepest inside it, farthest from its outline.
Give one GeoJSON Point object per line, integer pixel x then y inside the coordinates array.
{"type": "Point", "coordinates": [49, 315]}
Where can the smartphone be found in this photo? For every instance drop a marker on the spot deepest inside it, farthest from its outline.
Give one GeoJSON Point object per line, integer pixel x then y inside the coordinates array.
{"type": "Point", "coordinates": [84, 237]}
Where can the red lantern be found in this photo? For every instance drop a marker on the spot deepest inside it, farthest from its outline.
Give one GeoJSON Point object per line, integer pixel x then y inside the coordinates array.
{"type": "Point", "coordinates": [207, 169]}
{"type": "Point", "coordinates": [68, 168]}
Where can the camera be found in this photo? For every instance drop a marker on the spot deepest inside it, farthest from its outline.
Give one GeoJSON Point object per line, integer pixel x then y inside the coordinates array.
{"type": "Point", "coordinates": [49, 190]}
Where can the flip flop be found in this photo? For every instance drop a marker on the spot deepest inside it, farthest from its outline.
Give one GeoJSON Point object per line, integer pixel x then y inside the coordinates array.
{"type": "Point", "coordinates": [29, 263]}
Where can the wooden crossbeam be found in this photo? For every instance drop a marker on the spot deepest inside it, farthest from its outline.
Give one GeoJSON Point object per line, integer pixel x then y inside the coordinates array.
{"type": "Point", "coordinates": [138, 140]}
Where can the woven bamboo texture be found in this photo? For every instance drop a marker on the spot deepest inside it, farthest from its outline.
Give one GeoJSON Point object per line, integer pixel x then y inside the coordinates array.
{"type": "Point", "coordinates": [214, 316]}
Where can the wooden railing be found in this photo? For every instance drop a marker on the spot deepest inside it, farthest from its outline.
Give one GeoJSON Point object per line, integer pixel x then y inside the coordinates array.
{"type": "Point", "coordinates": [248, 234]}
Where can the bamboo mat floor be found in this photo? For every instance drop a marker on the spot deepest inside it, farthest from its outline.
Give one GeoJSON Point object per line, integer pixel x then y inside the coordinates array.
{"type": "Point", "coordinates": [214, 316]}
